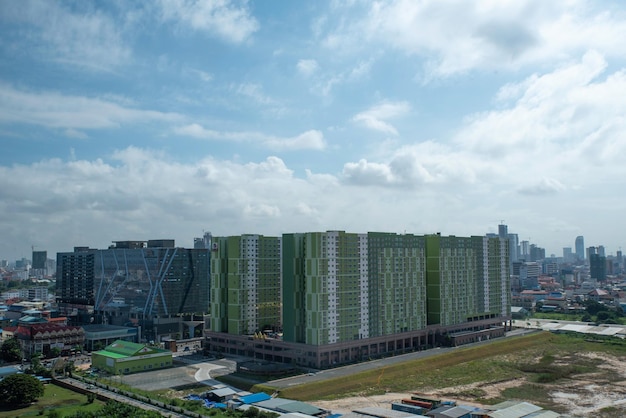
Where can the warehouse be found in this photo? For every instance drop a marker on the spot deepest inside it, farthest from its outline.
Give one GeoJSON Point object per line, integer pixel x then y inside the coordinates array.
{"type": "Point", "coordinates": [123, 357]}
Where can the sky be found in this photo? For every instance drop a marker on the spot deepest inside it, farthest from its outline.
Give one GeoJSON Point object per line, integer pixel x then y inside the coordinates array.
{"type": "Point", "coordinates": [147, 120]}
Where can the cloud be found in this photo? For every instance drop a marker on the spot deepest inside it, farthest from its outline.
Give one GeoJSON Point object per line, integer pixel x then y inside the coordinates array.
{"type": "Point", "coordinates": [368, 173]}
{"type": "Point", "coordinates": [572, 114]}
{"type": "Point", "coordinates": [420, 165]}
{"type": "Point", "coordinates": [55, 31]}
{"type": "Point", "coordinates": [487, 35]}
{"type": "Point", "coordinates": [545, 186]}
{"type": "Point", "coordinates": [202, 75]}
{"type": "Point", "coordinates": [325, 83]}
{"type": "Point", "coordinates": [73, 113]}
{"type": "Point", "coordinates": [222, 18]}
{"type": "Point", "coordinates": [73, 133]}
{"type": "Point", "coordinates": [142, 194]}
{"type": "Point", "coordinates": [254, 92]}
{"type": "Point", "coordinates": [307, 67]}
{"type": "Point", "coordinates": [569, 120]}
{"type": "Point", "coordinates": [311, 139]}
{"type": "Point", "coordinates": [375, 117]}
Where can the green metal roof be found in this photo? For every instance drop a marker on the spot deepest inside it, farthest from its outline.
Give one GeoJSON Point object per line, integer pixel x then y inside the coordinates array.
{"type": "Point", "coordinates": [110, 354]}
{"type": "Point", "coordinates": [128, 349]}
{"type": "Point", "coordinates": [121, 349]}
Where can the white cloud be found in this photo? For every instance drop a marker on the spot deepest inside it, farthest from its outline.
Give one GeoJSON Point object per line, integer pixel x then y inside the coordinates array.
{"type": "Point", "coordinates": [425, 164]}
{"type": "Point", "coordinates": [487, 35]}
{"type": "Point", "coordinates": [544, 186]}
{"type": "Point", "coordinates": [54, 31]}
{"type": "Point", "coordinates": [202, 75]}
{"type": "Point", "coordinates": [262, 211]}
{"type": "Point", "coordinates": [376, 117]}
{"type": "Point", "coordinates": [307, 67]}
{"type": "Point", "coordinates": [311, 139]}
{"type": "Point", "coordinates": [56, 110]}
{"type": "Point", "coordinates": [325, 83]}
{"type": "Point", "coordinates": [223, 18]}
{"type": "Point", "coordinates": [557, 121]}
{"type": "Point", "coordinates": [368, 173]}
{"type": "Point", "coordinates": [93, 202]}
{"type": "Point", "coordinates": [73, 133]}
{"type": "Point", "coordinates": [254, 92]}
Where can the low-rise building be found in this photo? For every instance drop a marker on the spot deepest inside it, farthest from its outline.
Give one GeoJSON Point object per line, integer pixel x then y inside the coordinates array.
{"type": "Point", "coordinates": [123, 357]}
{"type": "Point", "coordinates": [37, 336]}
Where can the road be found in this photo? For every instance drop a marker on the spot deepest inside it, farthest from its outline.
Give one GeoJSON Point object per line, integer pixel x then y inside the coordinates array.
{"type": "Point", "coordinates": [97, 389]}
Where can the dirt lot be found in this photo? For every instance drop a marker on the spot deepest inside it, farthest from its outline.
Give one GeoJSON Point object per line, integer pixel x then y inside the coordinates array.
{"type": "Point", "coordinates": [585, 396]}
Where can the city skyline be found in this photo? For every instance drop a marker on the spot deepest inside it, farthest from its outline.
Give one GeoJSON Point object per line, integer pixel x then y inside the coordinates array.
{"type": "Point", "coordinates": [520, 247]}
{"type": "Point", "coordinates": [148, 120]}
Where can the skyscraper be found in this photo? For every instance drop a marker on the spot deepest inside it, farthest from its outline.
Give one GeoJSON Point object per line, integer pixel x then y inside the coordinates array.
{"type": "Point", "coordinates": [579, 246]}
{"type": "Point", "coordinates": [597, 266]}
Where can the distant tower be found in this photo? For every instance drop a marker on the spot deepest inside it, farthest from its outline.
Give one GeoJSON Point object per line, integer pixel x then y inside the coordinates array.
{"type": "Point", "coordinates": [204, 242]}
{"type": "Point", "coordinates": [503, 231]}
{"type": "Point", "coordinates": [514, 247]}
{"type": "Point", "coordinates": [580, 248]}
{"type": "Point", "coordinates": [525, 249]}
{"type": "Point", "coordinates": [567, 254]}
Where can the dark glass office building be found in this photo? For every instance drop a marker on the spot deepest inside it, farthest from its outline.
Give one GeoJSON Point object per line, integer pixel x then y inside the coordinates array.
{"type": "Point", "coordinates": [134, 283]}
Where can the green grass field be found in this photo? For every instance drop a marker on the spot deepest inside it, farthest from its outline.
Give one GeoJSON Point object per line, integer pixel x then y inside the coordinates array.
{"type": "Point", "coordinates": [541, 358]}
{"type": "Point", "coordinates": [65, 401]}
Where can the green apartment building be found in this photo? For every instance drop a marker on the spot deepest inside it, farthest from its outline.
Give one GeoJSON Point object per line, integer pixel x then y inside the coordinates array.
{"type": "Point", "coordinates": [246, 284]}
{"type": "Point", "coordinates": [326, 282]}
{"type": "Point", "coordinates": [345, 286]}
{"type": "Point", "coordinates": [348, 297]}
{"type": "Point", "coordinates": [396, 283]}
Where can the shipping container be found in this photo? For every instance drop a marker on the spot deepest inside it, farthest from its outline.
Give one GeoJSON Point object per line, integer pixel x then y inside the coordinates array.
{"type": "Point", "coordinates": [411, 409]}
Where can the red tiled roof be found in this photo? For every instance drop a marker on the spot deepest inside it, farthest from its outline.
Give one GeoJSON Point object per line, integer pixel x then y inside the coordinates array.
{"type": "Point", "coordinates": [31, 331]}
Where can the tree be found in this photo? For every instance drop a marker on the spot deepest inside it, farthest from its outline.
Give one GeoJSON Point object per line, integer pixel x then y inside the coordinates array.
{"type": "Point", "coordinates": [55, 352]}
{"type": "Point", "coordinates": [11, 351]}
{"type": "Point", "coordinates": [35, 362]}
{"type": "Point", "coordinates": [20, 389]}
{"type": "Point", "coordinates": [593, 307]}
{"type": "Point", "coordinates": [69, 368]}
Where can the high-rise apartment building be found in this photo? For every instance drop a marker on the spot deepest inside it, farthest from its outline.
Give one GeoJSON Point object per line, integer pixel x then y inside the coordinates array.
{"type": "Point", "coordinates": [346, 286]}
{"type": "Point", "coordinates": [348, 296]}
{"type": "Point", "coordinates": [246, 284]}
{"type": "Point", "coordinates": [134, 283]}
{"type": "Point", "coordinates": [468, 279]}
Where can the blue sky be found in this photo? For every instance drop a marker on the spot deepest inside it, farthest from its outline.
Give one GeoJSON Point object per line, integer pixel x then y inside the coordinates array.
{"type": "Point", "coordinates": [144, 120]}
